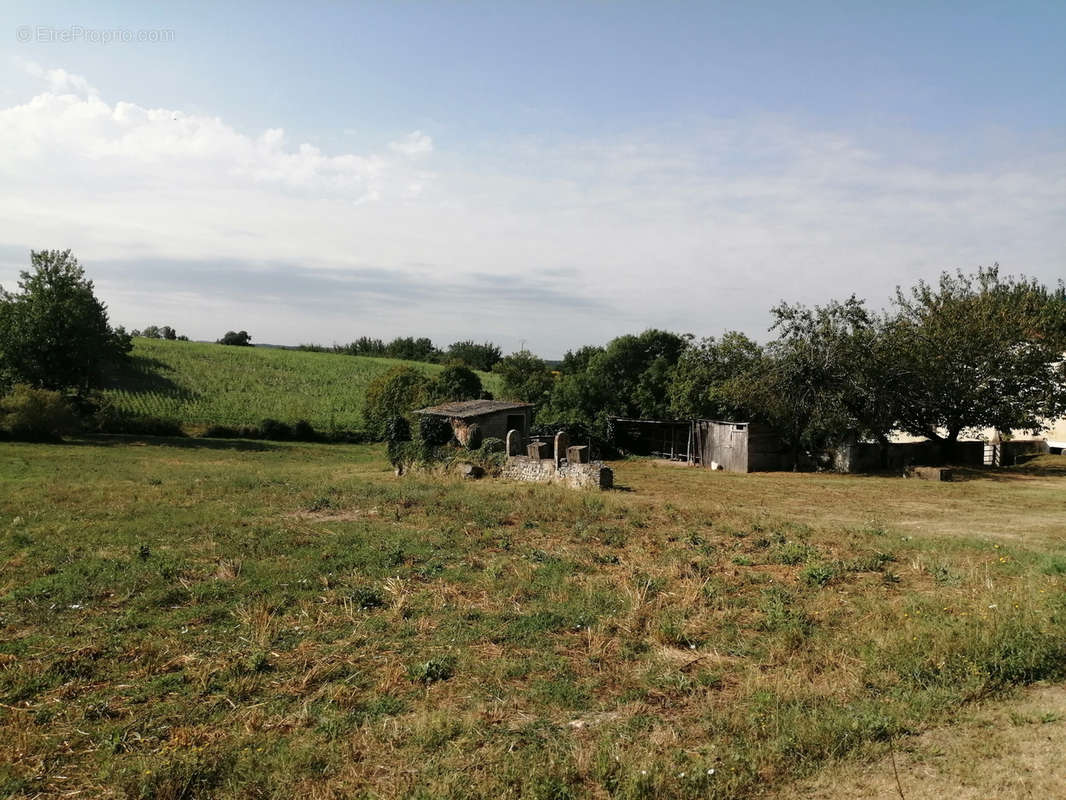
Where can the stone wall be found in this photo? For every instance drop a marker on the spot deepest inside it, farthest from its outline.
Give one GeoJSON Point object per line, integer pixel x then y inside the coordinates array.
{"type": "Point", "coordinates": [544, 470]}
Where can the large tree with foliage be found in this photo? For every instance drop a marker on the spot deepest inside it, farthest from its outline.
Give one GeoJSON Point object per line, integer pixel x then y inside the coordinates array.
{"type": "Point", "coordinates": [236, 339]}
{"type": "Point", "coordinates": [703, 378]}
{"type": "Point", "coordinates": [525, 377]}
{"type": "Point", "coordinates": [980, 350]}
{"type": "Point", "coordinates": [828, 376]}
{"type": "Point", "coordinates": [630, 377]}
{"type": "Point", "coordinates": [54, 332]}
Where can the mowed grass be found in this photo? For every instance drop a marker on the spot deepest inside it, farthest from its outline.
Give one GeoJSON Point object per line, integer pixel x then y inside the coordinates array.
{"type": "Point", "coordinates": [201, 618]}
{"type": "Point", "coordinates": [194, 383]}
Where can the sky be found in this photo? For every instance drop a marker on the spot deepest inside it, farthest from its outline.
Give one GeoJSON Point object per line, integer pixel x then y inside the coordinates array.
{"type": "Point", "coordinates": [541, 175]}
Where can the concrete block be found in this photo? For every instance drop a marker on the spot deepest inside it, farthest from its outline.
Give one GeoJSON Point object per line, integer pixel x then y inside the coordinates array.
{"type": "Point", "coordinates": [538, 450]}
{"type": "Point", "coordinates": [577, 454]}
{"type": "Point", "coordinates": [929, 473]}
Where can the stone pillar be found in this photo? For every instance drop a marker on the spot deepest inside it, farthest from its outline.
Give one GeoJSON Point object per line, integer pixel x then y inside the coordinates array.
{"type": "Point", "coordinates": [577, 454]}
{"type": "Point", "coordinates": [562, 441]}
{"type": "Point", "coordinates": [538, 450]}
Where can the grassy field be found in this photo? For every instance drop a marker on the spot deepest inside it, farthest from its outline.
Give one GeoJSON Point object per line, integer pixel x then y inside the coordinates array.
{"type": "Point", "coordinates": [203, 618]}
{"type": "Point", "coordinates": [208, 384]}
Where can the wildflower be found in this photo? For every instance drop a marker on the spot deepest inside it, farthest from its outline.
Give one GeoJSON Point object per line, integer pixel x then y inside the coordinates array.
{"type": "Point", "coordinates": [710, 771]}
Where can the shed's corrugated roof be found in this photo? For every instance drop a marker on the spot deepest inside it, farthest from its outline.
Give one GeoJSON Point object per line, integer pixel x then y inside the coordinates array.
{"type": "Point", "coordinates": [471, 408]}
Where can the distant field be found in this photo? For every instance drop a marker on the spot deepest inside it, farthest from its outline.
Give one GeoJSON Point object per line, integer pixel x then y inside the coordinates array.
{"type": "Point", "coordinates": [210, 384]}
{"type": "Point", "coordinates": [202, 618]}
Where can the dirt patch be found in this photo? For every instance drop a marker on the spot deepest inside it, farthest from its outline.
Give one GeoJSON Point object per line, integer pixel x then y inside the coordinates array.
{"type": "Point", "coordinates": [1007, 749]}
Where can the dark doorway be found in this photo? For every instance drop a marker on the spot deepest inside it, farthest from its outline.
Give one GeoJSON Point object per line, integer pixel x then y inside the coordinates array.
{"type": "Point", "coordinates": [517, 422]}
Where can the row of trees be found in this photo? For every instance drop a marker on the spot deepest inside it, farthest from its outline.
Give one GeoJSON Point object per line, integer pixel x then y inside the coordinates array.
{"type": "Point", "coordinates": [972, 351]}
{"type": "Point", "coordinates": [481, 356]}
{"type": "Point", "coordinates": [159, 332]}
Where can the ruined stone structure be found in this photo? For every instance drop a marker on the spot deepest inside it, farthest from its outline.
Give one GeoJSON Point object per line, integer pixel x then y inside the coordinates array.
{"type": "Point", "coordinates": [552, 463]}
{"type": "Point", "coordinates": [493, 418]}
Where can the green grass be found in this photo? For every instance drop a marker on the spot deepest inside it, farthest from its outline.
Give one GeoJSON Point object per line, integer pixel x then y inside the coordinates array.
{"type": "Point", "coordinates": [202, 618]}
{"type": "Point", "coordinates": [194, 383]}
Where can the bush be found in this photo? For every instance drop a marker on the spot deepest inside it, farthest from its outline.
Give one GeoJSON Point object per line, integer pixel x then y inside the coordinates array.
{"type": "Point", "coordinates": [457, 382]}
{"type": "Point", "coordinates": [473, 437]}
{"type": "Point", "coordinates": [397, 434]}
{"type": "Point", "coordinates": [303, 431]}
{"type": "Point", "coordinates": [275, 430]}
{"type": "Point", "coordinates": [36, 415]}
{"type": "Point", "coordinates": [397, 429]}
{"type": "Point", "coordinates": [106, 418]}
{"type": "Point", "coordinates": [434, 431]}
{"type": "Point", "coordinates": [391, 394]}
{"type": "Point", "coordinates": [493, 446]}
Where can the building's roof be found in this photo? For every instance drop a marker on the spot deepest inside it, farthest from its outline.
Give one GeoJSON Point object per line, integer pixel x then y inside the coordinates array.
{"type": "Point", "coordinates": [472, 408]}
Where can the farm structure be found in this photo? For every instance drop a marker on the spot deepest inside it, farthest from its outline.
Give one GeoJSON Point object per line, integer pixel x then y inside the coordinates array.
{"type": "Point", "coordinates": [732, 446]}
{"type": "Point", "coordinates": [494, 418]}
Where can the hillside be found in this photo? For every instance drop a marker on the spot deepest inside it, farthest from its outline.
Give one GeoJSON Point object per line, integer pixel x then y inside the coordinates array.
{"type": "Point", "coordinates": [201, 383]}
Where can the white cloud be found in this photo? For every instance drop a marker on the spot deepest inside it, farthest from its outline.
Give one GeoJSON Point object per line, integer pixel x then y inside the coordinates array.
{"type": "Point", "coordinates": [59, 80]}
{"type": "Point", "coordinates": [697, 227]}
{"type": "Point", "coordinates": [415, 143]}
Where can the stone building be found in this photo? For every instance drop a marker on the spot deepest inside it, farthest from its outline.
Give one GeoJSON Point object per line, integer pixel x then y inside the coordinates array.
{"type": "Point", "coordinates": [494, 418]}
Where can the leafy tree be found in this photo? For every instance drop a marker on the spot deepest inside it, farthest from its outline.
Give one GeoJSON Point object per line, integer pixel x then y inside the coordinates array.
{"type": "Point", "coordinates": [979, 351]}
{"type": "Point", "coordinates": [54, 333]}
{"type": "Point", "coordinates": [476, 356]}
{"type": "Point", "coordinates": [576, 361]}
{"type": "Point", "coordinates": [396, 392]}
{"type": "Point", "coordinates": [157, 332]}
{"type": "Point", "coordinates": [630, 377]}
{"type": "Point", "coordinates": [701, 385]}
{"type": "Point", "coordinates": [236, 338]}
{"type": "Point", "coordinates": [828, 377]}
{"type": "Point", "coordinates": [457, 382]}
{"type": "Point", "coordinates": [409, 348]}
{"type": "Point", "coordinates": [525, 377]}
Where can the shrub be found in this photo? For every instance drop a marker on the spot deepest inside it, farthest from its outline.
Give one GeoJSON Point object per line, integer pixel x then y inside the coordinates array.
{"type": "Point", "coordinates": [391, 394]}
{"type": "Point", "coordinates": [457, 382]}
{"type": "Point", "coordinates": [397, 434]}
{"type": "Point", "coordinates": [434, 431]}
{"type": "Point", "coordinates": [397, 429]}
{"type": "Point", "coordinates": [436, 669]}
{"type": "Point", "coordinates": [303, 431]}
{"type": "Point", "coordinates": [36, 415]}
{"type": "Point", "coordinates": [492, 446]}
{"type": "Point", "coordinates": [274, 429]}
{"type": "Point", "coordinates": [473, 437]}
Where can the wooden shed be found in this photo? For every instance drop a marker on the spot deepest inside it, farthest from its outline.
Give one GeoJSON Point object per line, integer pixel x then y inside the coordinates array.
{"type": "Point", "coordinates": [732, 446]}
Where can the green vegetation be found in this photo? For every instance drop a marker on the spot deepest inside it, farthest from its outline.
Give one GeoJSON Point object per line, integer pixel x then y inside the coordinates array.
{"type": "Point", "coordinates": [204, 384]}
{"type": "Point", "coordinates": [200, 618]}
{"type": "Point", "coordinates": [54, 332]}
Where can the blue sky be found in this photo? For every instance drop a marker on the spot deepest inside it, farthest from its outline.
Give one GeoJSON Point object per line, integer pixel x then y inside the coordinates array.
{"type": "Point", "coordinates": [554, 174]}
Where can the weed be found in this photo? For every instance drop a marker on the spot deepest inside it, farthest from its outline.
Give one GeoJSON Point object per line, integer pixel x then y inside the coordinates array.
{"type": "Point", "coordinates": [436, 669]}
